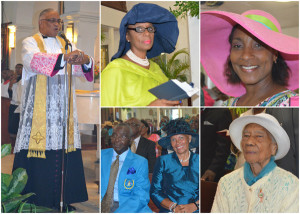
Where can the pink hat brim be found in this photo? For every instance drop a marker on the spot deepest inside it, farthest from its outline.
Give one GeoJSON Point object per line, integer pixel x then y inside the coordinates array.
{"type": "Point", "coordinates": [216, 27]}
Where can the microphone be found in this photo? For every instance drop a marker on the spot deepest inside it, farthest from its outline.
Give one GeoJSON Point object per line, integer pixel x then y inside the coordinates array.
{"type": "Point", "coordinates": [63, 36]}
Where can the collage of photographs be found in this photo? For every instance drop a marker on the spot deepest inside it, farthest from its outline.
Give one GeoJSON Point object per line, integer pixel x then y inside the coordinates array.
{"type": "Point", "coordinates": [150, 106]}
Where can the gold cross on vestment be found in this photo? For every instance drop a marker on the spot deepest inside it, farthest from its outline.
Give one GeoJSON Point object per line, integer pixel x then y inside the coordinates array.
{"type": "Point", "coordinates": [38, 137]}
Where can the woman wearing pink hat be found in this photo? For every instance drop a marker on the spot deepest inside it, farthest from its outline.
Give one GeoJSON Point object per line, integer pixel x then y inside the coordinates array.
{"type": "Point", "coordinates": [249, 58]}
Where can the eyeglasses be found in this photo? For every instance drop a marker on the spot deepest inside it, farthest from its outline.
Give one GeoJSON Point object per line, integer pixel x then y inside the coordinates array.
{"type": "Point", "coordinates": [59, 21]}
{"type": "Point", "coordinates": [142, 29]}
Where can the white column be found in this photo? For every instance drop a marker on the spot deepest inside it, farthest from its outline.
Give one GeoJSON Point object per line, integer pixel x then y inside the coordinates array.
{"type": "Point", "coordinates": [112, 44]}
{"type": "Point", "coordinates": [85, 16]}
{"type": "Point", "coordinates": [194, 36]}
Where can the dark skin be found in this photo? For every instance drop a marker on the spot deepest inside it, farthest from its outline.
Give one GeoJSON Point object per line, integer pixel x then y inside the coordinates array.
{"type": "Point", "coordinates": [120, 139]}
{"type": "Point", "coordinates": [252, 61]}
{"type": "Point", "coordinates": [195, 123]}
{"type": "Point", "coordinates": [15, 76]}
{"type": "Point", "coordinates": [18, 70]}
{"type": "Point", "coordinates": [49, 29]}
{"type": "Point", "coordinates": [182, 208]}
{"type": "Point", "coordinates": [13, 80]}
{"type": "Point", "coordinates": [258, 147]}
{"type": "Point", "coordinates": [144, 131]}
{"type": "Point", "coordinates": [140, 43]}
{"type": "Point", "coordinates": [164, 102]}
{"type": "Point", "coordinates": [180, 144]}
{"type": "Point", "coordinates": [6, 74]}
{"type": "Point", "coordinates": [208, 175]}
{"type": "Point", "coordinates": [136, 127]}
{"type": "Point", "coordinates": [164, 121]}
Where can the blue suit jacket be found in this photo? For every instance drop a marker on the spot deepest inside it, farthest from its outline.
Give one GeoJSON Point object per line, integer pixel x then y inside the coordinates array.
{"type": "Point", "coordinates": [173, 181]}
{"type": "Point", "coordinates": [134, 187]}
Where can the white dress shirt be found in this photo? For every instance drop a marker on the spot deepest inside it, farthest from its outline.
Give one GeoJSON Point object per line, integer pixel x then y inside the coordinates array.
{"type": "Point", "coordinates": [136, 141]}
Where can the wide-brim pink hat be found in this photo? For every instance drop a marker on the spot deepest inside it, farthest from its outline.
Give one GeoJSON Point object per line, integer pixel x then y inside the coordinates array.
{"type": "Point", "coordinates": [216, 27]}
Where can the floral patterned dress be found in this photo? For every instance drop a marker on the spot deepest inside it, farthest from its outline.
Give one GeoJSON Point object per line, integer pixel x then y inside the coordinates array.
{"type": "Point", "coordinates": [281, 99]}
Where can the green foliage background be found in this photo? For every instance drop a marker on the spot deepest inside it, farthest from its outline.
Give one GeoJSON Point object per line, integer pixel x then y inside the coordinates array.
{"type": "Point", "coordinates": [12, 200]}
{"type": "Point", "coordinates": [183, 8]}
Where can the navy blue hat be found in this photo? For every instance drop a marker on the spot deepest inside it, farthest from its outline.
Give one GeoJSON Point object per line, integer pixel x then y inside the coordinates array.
{"type": "Point", "coordinates": [164, 21]}
{"type": "Point", "coordinates": [175, 127]}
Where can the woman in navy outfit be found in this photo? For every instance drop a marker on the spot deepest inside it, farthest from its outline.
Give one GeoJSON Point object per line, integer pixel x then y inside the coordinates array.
{"type": "Point", "coordinates": [175, 181]}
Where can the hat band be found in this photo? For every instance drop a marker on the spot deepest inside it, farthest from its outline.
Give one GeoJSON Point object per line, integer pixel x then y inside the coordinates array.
{"type": "Point", "coordinates": [263, 20]}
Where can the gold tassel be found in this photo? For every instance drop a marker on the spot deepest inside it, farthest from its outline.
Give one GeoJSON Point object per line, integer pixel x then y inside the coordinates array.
{"type": "Point", "coordinates": [36, 154]}
{"type": "Point", "coordinates": [70, 149]}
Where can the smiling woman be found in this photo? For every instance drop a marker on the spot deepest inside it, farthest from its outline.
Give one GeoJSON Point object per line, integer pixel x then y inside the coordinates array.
{"type": "Point", "coordinates": [146, 31]}
{"type": "Point", "coordinates": [250, 59]}
{"type": "Point", "coordinates": [260, 64]}
{"type": "Point", "coordinates": [175, 180]}
{"type": "Point", "coordinates": [180, 144]}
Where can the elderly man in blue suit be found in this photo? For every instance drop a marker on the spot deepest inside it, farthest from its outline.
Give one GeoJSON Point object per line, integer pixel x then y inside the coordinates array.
{"type": "Point", "coordinates": [125, 183]}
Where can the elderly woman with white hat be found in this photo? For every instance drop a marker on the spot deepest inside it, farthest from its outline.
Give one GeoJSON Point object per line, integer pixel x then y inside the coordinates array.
{"type": "Point", "coordinates": [260, 185]}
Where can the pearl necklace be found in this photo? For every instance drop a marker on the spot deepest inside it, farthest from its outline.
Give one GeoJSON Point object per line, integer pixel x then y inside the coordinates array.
{"type": "Point", "coordinates": [185, 159]}
{"type": "Point", "coordinates": [135, 58]}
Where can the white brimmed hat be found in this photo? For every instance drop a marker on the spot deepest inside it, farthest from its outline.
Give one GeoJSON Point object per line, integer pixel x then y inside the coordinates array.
{"type": "Point", "coordinates": [268, 122]}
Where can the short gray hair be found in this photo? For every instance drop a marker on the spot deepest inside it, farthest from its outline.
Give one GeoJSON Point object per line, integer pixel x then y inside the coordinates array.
{"type": "Point", "coordinates": [45, 11]}
{"type": "Point", "coordinates": [124, 125]}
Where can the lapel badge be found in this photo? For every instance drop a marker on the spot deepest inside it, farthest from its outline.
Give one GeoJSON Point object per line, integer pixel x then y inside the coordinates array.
{"type": "Point", "coordinates": [261, 195]}
{"type": "Point", "coordinates": [129, 183]}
